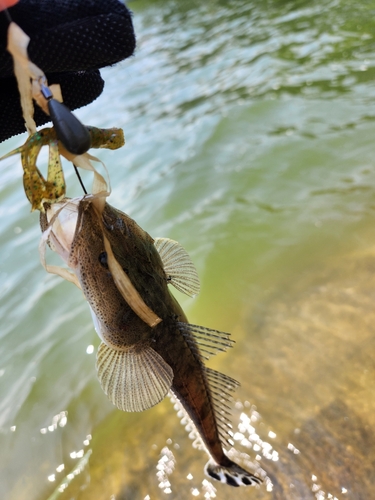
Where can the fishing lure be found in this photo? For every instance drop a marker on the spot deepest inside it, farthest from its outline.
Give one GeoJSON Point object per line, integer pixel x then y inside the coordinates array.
{"type": "Point", "coordinates": [40, 190]}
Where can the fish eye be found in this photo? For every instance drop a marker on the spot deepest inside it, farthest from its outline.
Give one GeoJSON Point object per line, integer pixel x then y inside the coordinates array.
{"type": "Point", "coordinates": [103, 259]}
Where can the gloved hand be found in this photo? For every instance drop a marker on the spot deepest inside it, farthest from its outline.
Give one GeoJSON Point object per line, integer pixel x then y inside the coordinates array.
{"type": "Point", "coordinates": [69, 40]}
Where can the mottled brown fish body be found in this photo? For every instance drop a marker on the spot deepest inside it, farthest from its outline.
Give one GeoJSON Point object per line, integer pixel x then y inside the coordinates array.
{"type": "Point", "coordinates": [190, 385]}
{"type": "Point", "coordinates": [135, 251]}
{"type": "Point", "coordinates": [137, 363]}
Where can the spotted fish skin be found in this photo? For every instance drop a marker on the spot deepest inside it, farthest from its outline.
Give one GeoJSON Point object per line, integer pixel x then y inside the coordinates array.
{"type": "Point", "coordinates": [172, 352]}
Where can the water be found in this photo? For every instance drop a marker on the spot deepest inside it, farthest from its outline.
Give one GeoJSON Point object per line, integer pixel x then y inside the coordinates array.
{"type": "Point", "coordinates": [249, 139]}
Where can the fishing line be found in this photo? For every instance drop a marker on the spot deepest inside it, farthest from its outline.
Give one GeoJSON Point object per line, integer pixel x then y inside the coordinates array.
{"type": "Point", "coordinates": [79, 178]}
{"type": "Point", "coordinates": [4, 6]}
{"type": "Point", "coordinates": [7, 15]}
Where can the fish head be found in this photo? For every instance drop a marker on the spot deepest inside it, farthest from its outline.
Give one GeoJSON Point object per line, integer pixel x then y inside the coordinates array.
{"type": "Point", "coordinates": [78, 235]}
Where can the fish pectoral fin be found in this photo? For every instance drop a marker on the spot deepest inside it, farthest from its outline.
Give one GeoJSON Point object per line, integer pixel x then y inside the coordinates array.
{"type": "Point", "coordinates": [178, 267]}
{"type": "Point", "coordinates": [134, 380]}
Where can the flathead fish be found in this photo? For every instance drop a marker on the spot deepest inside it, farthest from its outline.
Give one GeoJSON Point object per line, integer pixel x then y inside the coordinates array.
{"type": "Point", "coordinates": [143, 357]}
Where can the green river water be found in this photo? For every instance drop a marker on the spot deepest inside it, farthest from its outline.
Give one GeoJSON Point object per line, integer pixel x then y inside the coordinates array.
{"type": "Point", "coordinates": [250, 131]}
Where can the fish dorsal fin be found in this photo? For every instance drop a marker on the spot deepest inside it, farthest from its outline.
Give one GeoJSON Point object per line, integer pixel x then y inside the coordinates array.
{"type": "Point", "coordinates": [220, 388]}
{"type": "Point", "coordinates": [178, 266]}
{"type": "Point", "coordinates": [134, 380]}
{"type": "Point", "coordinates": [204, 341]}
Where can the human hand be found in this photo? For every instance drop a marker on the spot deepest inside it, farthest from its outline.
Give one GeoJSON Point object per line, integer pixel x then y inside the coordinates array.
{"type": "Point", "coordinates": [69, 40]}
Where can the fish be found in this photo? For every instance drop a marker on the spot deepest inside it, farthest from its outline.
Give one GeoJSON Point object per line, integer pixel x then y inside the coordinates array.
{"type": "Point", "coordinates": [148, 348]}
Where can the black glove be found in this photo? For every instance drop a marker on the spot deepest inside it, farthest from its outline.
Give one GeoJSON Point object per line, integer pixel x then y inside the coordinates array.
{"type": "Point", "coordinates": [69, 41]}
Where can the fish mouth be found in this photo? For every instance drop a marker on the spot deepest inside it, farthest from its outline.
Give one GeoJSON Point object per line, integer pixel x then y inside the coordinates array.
{"type": "Point", "coordinates": [63, 216]}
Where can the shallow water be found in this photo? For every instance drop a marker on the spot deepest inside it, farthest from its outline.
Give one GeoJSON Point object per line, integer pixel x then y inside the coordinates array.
{"type": "Point", "coordinates": [250, 137]}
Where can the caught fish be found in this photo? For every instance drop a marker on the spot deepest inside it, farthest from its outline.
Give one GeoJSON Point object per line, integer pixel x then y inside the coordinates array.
{"type": "Point", "coordinates": [148, 348]}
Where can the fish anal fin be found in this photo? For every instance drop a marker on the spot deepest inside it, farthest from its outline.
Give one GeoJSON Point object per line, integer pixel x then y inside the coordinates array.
{"type": "Point", "coordinates": [134, 380]}
{"type": "Point", "coordinates": [205, 341]}
{"type": "Point", "coordinates": [178, 267]}
{"type": "Point", "coordinates": [231, 474]}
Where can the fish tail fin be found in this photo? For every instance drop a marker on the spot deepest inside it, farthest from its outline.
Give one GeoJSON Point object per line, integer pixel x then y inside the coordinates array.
{"type": "Point", "coordinates": [231, 474]}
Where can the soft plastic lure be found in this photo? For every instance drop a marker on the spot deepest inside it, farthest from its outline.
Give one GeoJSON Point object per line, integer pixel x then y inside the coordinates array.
{"type": "Point", "coordinates": [39, 190]}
